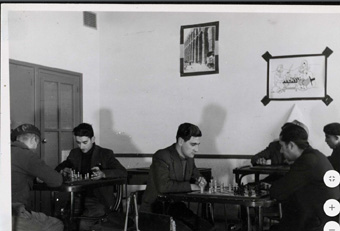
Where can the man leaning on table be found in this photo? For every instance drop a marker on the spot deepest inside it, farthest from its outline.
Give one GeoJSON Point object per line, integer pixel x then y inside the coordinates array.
{"type": "Point", "coordinates": [173, 170]}
{"type": "Point", "coordinates": [26, 166]}
{"type": "Point", "coordinates": [302, 190]}
{"type": "Point", "coordinates": [101, 163]}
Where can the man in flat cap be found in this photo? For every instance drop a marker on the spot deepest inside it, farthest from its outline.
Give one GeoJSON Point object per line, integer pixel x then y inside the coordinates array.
{"type": "Point", "coordinates": [332, 133]}
{"type": "Point", "coordinates": [26, 167]}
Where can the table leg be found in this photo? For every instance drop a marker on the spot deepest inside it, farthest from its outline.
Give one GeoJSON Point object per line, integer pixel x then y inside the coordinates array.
{"type": "Point", "coordinates": [225, 217]}
{"type": "Point", "coordinates": [248, 218]}
{"type": "Point", "coordinates": [70, 219]}
{"type": "Point", "coordinates": [53, 203]}
{"type": "Point", "coordinates": [260, 219]}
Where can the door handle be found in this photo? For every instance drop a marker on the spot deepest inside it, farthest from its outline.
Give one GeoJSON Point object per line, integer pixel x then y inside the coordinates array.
{"type": "Point", "coordinates": [44, 141]}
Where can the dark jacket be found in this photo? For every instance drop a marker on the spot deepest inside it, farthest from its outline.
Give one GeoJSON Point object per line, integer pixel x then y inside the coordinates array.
{"type": "Point", "coordinates": [335, 158]}
{"type": "Point", "coordinates": [166, 175]}
{"type": "Point", "coordinates": [26, 166]}
{"type": "Point", "coordinates": [100, 157]}
{"type": "Point", "coordinates": [303, 192]}
{"type": "Point", "coordinates": [272, 152]}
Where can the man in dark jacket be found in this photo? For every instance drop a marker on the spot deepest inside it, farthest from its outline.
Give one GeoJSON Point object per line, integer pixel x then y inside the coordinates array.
{"type": "Point", "coordinates": [173, 170]}
{"type": "Point", "coordinates": [302, 190]}
{"type": "Point", "coordinates": [26, 166]}
{"type": "Point", "coordinates": [332, 133]}
{"type": "Point", "coordinates": [91, 159]}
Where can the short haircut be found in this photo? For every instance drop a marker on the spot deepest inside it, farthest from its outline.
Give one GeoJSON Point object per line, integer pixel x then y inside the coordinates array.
{"type": "Point", "coordinates": [294, 133]}
{"type": "Point", "coordinates": [187, 130]}
{"type": "Point", "coordinates": [83, 129]}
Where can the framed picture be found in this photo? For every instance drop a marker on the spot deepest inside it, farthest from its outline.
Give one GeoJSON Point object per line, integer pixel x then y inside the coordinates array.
{"type": "Point", "coordinates": [199, 49]}
{"type": "Point", "coordinates": [297, 77]}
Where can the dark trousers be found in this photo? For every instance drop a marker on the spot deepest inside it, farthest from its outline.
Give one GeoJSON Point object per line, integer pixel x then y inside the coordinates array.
{"type": "Point", "coordinates": [185, 219]}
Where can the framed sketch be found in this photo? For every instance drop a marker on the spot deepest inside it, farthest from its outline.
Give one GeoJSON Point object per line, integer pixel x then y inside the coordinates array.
{"type": "Point", "coordinates": [297, 77]}
{"type": "Point", "coordinates": [199, 49]}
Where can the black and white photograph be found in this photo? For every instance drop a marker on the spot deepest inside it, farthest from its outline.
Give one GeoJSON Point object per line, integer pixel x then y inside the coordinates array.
{"type": "Point", "coordinates": [199, 49]}
{"type": "Point", "coordinates": [163, 117]}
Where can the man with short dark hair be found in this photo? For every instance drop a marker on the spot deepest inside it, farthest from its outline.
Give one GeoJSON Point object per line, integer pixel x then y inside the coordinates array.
{"type": "Point", "coordinates": [302, 190]}
{"type": "Point", "coordinates": [26, 167]}
{"type": "Point", "coordinates": [90, 158]}
{"type": "Point", "coordinates": [173, 170]}
{"type": "Point", "coordinates": [332, 133]}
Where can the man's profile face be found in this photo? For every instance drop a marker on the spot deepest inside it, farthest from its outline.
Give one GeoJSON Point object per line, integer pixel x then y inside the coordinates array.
{"type": "Point", "coordinates": [190, 147]}
{"type": "Point", "coordinates": [287, 150]}
{"type": "Point", "coordinates": [332, 141]}
{"type": "Point", "coordinates": [34, 142]}
{"type": "Point", "coordinates": [85, 143]}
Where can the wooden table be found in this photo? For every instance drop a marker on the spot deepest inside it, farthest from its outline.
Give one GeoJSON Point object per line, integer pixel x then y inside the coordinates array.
{"type": "Point", "coordinates": [80, 186]}
{"type": "Point", "coordinates": [259, 170]}
{"type": "Point", "coordinates": [225, 198]}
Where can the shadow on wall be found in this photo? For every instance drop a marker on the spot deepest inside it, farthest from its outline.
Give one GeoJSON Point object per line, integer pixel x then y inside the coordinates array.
{"type": "Point", "coordinates": [118, 141]}
{"type": "Point", "coordinates": [212, 122]}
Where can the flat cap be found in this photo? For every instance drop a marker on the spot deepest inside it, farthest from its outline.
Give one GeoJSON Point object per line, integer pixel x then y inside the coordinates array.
{"type": "Point", "coordinates": [332, 129]}
{"type": "Point", "coordinates": [24, 129]}
{"type": "Point", "coordinates": [298, 123]}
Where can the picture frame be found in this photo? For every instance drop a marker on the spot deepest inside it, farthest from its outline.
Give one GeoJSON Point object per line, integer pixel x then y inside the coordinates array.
{"type": "Point", "coordinates": [297, 77]}
{"type": "Point", "coordinates": [199, 49]}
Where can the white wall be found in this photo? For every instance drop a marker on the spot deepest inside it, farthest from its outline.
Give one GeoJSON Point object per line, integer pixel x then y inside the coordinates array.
{"type": "Point", "coordinates": [146, 99]}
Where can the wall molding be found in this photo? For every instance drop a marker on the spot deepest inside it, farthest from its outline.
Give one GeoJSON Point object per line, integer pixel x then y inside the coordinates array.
{"type": "Point", "coordinates": [198, 156]}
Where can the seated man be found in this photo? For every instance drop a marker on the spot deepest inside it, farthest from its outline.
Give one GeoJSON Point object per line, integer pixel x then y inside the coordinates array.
{"type": "Point", "coordinates": [332, 133]}
{"type": "Point", "coordinates": [91, 158]}
{"type": "Point", "coordinates": [26, 167]}
{"type": "Point", "coordinates": [302, 190]}
{"type": "Point", "coordinates": [173, 170]}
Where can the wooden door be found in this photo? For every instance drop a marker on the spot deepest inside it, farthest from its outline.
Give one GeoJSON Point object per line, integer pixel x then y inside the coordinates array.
{"type": "Point", "coordinates": [60, 113]}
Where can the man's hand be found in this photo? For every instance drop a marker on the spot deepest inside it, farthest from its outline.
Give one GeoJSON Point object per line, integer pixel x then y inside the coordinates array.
{"type": "Point", "coordinates": [201, 182]}
{"type": "Point", "coordinates": [66, 172]}
{"type": "Point", "coordinates": [97, 173]}
{"type": "Point", "coordinates": [39, 181]}
{"type": "Point", "coordinates": [261, 161]}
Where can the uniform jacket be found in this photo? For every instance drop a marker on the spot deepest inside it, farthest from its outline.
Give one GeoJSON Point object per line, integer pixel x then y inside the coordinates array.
{"type": "Point", "coordinates": [335, 158]}
{"type": "Point", "coordinates": [166, 175]}
{"type": "Point", "coordinates": [26, 166]}
{"type": "Point", "coordinates": [100, 157]}
{"type": "Point", "coordinates": [303, 192]}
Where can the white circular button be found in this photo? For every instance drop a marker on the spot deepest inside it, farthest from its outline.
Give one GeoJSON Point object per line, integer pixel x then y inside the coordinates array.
{"type": "Point", "coordinates": [331, 207]}
{"type": "Point", "coordinates": [331, 178]}
{"type": "Point", "coordinates": [331, 226]}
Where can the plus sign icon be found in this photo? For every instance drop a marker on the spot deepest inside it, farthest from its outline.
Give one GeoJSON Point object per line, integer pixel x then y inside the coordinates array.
{"type": "Point", "coordinates": [331, 178]}
{"type": "Point", "coordinates": [331, 207]}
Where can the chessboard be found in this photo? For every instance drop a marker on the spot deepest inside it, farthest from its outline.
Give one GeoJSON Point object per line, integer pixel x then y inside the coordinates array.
{"type": "Point", "coordinates": [245, 194]}
{"type": "Point", "coordinates": [236, 191]}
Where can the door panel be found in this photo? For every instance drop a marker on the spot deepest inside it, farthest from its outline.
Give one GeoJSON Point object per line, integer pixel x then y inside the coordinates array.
{"type": "Point", "coordinates": [22, 95]}
{"type": "Point", "coordinates": [60, 112]}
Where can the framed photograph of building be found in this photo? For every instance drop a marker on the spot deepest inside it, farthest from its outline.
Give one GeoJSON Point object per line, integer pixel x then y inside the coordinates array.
{"type": "Point", "coordinates": [297, 77]}
{"type": "Point", "coordinates": [199, 49]}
